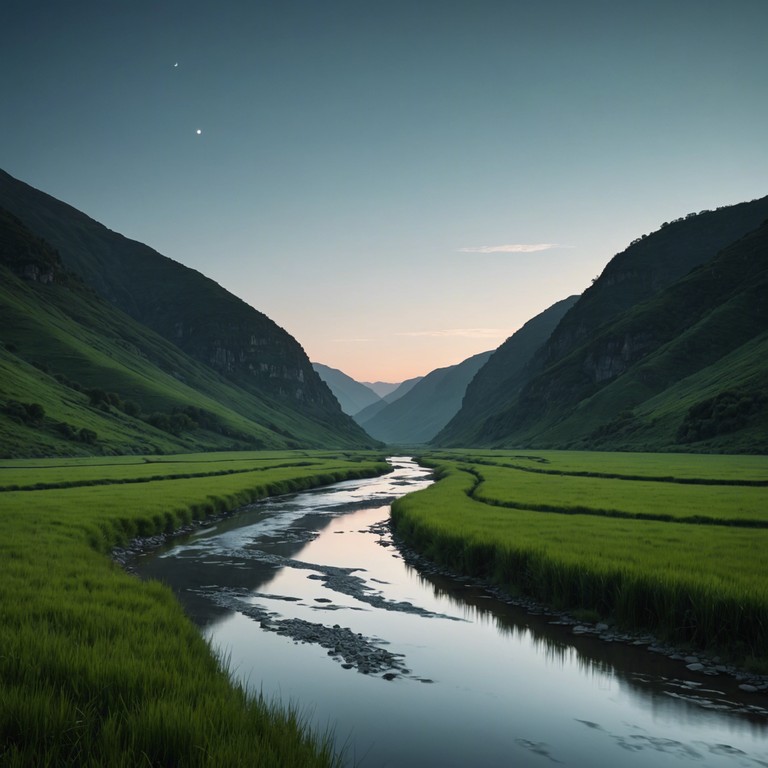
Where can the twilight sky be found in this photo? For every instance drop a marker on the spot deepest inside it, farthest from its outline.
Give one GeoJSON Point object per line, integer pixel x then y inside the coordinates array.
{"type": "Point", "coordinates": [399, 184]}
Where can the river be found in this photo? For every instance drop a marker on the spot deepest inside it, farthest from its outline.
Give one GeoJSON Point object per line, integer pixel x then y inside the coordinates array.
{"type": "Point", "coordinates": [312, 604]}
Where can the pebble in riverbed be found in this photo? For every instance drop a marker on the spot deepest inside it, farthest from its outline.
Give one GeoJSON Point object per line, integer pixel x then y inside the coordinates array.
{"type": "Point", "coordinates": [352, 650]}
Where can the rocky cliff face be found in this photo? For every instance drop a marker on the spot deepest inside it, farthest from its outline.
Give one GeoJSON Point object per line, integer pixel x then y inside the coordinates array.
{"type": "Point", "coordinates": [613, 356]}
{"type": "Point", "coordinates": [26, 255]}
{"type": "Point", "coordinates": [248, 349]}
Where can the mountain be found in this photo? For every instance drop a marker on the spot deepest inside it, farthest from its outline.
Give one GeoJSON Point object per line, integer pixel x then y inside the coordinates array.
{"type": "Point", "coordinates": [400, 389]}
{"type": "Point", "coordinates": [650, 264]}
{"type": "Point", "coordinates": [666, 351]}
{"type": "Point", "coordinates": [352, 395]}
{"type": "Point", "coordinates": [381, 388]}
{"type": "Point", "coordinates": [84, 309]}
{"type": "Point", "coordinates": [182, 305]}
{"type": "Point", "coordinates": [427, 406]}
{"type": "Point", "coordinates": [497, 383]}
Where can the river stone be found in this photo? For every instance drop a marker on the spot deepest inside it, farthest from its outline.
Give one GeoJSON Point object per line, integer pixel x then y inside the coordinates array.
{"type": "Point", "coordinates": [695, 667]}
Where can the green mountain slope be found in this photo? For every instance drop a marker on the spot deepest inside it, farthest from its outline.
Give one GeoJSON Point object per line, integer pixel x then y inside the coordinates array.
{"type": "Point", "coordinates": [79, 376]}
{"type": "Point", "coordinates": [685, 369]}
{"type": "Point", "coordinates": [498, 382]}
{"type": "Point", "coordinates": [425, 408]}
{"type": "Point", "coordinates": [647, 266]}
{"type": "Point", "coordinates": [182, 305]}
{"type": "Point", "coordinates": [352, 395]}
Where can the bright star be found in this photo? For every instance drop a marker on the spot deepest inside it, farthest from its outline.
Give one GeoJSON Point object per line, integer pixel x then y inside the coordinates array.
{"type": "Point", "coordinates": [198, 131]}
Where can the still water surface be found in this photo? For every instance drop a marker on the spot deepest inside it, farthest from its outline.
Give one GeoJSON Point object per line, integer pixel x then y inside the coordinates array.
{"type": "Point", "coordinates": [478, 683]}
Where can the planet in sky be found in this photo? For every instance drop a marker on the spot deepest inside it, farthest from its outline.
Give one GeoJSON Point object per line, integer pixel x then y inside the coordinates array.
{"type": "Point", "coordinates": [198, 131]}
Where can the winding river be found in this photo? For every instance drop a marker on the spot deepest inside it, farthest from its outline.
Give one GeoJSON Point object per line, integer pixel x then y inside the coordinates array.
{"type": "Point", "coordinates": [312, 604]}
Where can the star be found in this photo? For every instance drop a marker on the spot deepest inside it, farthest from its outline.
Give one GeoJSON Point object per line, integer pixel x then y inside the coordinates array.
{"type": "Point", "coordinates": [198, 131]}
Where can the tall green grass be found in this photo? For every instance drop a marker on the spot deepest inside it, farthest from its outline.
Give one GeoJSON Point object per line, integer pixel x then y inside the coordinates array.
{"type": "Point", "coordinates": [678, 467]}
{"type": "Point", "coordinates": [98, 668]}
{"type": "Point", "coordinates": [699, 503]}
{"type": "Point", "coordinates": [704, 585]}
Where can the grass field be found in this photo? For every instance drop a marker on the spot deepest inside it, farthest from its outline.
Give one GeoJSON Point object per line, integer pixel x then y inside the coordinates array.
{"type": "Point", "coordinates": [98, 668]}
{"type": "Point", "coordinates": [683, 556]}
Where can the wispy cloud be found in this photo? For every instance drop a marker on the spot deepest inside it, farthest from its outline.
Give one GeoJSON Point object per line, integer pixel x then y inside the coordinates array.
{"type": "Point", "coordinates": [513, 248]}
{"type": "Point", "coordinates": [470, 333]}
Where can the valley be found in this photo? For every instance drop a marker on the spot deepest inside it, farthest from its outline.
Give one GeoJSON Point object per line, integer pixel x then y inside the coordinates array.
{"type": "Point", "coordinates": [603, 468]}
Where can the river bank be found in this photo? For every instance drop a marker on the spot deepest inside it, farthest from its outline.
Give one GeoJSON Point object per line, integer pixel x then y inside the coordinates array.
{"type": "Point", "coordinates": [281, 589]}
{"type": "Point", "coordinates": [101, 668]}
{"type": "Point", "coordinates": [694, 661]}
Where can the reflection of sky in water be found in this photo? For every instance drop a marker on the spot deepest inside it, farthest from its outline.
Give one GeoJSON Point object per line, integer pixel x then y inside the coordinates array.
{"type": "Point", "coordinates": [509, 689]}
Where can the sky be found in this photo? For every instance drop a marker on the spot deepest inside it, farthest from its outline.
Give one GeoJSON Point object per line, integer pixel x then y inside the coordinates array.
{"type": "Point", "coordinates": [400, 185]}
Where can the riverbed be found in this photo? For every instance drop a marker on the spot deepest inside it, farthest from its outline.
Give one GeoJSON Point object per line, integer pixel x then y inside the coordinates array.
{"type": "Point", "coordinates": [311, 603]}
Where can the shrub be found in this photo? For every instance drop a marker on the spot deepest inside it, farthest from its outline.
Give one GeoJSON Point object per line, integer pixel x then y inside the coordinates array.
{"type": "Point", "coordinates": [66, 430]}
{"type": "Point", "coordinates": [35, 413]}
{"type": "Point", "coordinates": [97, 396]}
{"type": "Point", "coordinates": [86, 435]}
{"type": "Point", "coordinates": [131, 408]}
{"type": "Point", "coordinates": [726, 412]}
{"type": "Point", "coordinates": [25, 413]}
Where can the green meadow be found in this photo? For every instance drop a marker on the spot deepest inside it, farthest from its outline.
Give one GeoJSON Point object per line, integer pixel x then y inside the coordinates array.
{"type": "Point", "coordinates": [99, 668]}
{"type": "Point", "coordinates": [672, 544]}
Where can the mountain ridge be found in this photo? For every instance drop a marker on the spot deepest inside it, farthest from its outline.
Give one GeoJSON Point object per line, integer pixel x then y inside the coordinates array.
{"type": "Point", "coordinates": [199, 316]}
{"type": "Point", "coordinates": [498, 381]}
{"type": "Point", "coordinates": [64, 344]}
{"type": "Point", "coordinates": [599, 381]}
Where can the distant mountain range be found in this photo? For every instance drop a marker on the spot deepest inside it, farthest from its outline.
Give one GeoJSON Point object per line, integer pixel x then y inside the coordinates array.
{"type": "Point", "coordinates": [425, 408]}
{"type": "Point", "coordinates": [382, 388]}
{"type": "Point", "coordinates": [394, 394]}
{"type": "Point", "coordinates": [352, 395]}
{"type": "Point", "coordinates": [667, 350]}
{"type": "Point", "coordinates": [412, 412]}
{"type": "Point", "coordinates": [359, 399]}
{"type": "Point", "coordinates": [110, 338]}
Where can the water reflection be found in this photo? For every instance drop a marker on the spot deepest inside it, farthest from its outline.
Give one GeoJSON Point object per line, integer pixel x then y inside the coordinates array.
{"type": "Point", "coordinates": [656, 679]}
{"type": "Point", "coordinates": [486, 684]}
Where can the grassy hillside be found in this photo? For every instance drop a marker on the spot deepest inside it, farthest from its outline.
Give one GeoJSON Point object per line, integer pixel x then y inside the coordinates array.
{"type": "Point", "coordinates": [101, 382]}
{"type": "Point", "coordinates": [682, 368]}
{"type": "Point", "coordinates": [647, 266]}
{"type": "Point", "coordinates": [183, 306]}
{"type": "Point", "coordinates": [705, 336]}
